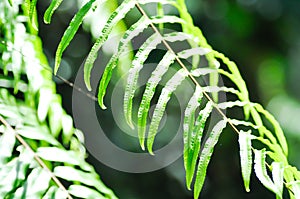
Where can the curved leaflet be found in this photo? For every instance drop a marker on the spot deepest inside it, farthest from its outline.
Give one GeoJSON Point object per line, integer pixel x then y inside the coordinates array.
{"type": "Point", "coordinates": [195, 143]}
{"type": "Point", "coordinates": [70, 32]}
{"type": "Point", "coordinates": [156, 76]}
{"type": "Point", "coordinates": [246, 157]}
{"type": "Point", "coordinates": [188, 124]}
{"type": "Point", "coordinates": [205, 156]}
{"type": "Point", "coordinates": [165, 96]}
{"type": "Point", "coordinates": [137, 64]}
{"type": "Point", "coordinates": [50, 10]}
{"type": "Point", "coordinates": [133, 31]}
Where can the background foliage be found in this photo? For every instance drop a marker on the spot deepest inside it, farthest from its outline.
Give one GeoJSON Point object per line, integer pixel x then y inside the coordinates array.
{"type": "Point", "coordinates": [41, 153]}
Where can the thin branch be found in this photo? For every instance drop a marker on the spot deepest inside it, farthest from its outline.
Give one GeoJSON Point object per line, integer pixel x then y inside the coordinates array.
{"type": "Point", "coordinates": [36, 157]}
{"type": "Point", "coordinates": [169, 48]}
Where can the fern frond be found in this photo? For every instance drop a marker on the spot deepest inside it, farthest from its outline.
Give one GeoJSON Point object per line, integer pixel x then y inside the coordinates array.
{"type": "Point", "coordinates": [196, 137]}
{"type": "Point", "coordinates": [137, 64]}
{"type": "Point", "coordinates": [255, 116]}
{"type": "Point", "coordinates": [188, 127]}
{"type": "Point", "coordinates": [133, 31]}
{"type": "Point", "coordinates": [205, 156]}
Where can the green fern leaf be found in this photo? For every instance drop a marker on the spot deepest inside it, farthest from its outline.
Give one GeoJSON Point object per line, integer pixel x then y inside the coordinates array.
{"type": "Point", "coordinates": [43, 108]}
{"type": "Point", "coordinates": [36, 184]}
{"type": "Point", "coordinates": [230, 104]}
{"type": "Point", "coordinates": [18, 181]}
{"type": "Point", "coordinates": [244, 123]}
{"type": "Point", "coordinates": [72, 174]}
{"type": "Point", "coordinates": [67, 128]}
{"type": "Point", "coordinates": [84, 192]}
{"type": "Point", "coordinates": [50, 154]}
{"type": "Point", "coordinates": [195, 51]}
{"type": "Point", "coordinates": [278, 176]}
{"type": "Point", "coordinates": [10, 2]}
{"type": "Point", "coordinates": [114, 18]}
{"type": "Point", "coordinates": [202, 71]}
{"type": "Point", "coordinates": [205, 156]}
{"type": "Point", "coordinates": [160, 13]}
{"type": "Point", "coordinates": [133, 31]}
{"type": "Point", "coordinates": [188, 125]}
{"type": "Point", "coordinates": [70, 32]}
{"type": "Point", "coordinates": [137, 65]}
{"type": "Point", "coordinates": [32, 11]}
{"type": "Point", "coordinates": [216, 89]}
{"type": "Point", "coordinates": [278, 130]}
{"type": "Point", "coordinates": [237, 79]}
{"type": "Point", "coordinates": [133, 73]}
{"type": "Point", "coordinates": [55, 115]}
{"type": "Point", "coordinates": [14, 172]}
{"type": "Point", "coordinates": [40, 133]}
{"type": "Point", "coordinates": [165, 96]}
{"type": "Point", "coordinates": [295, 186]}
{"type": "Point", "coordinates": [246, 157]}
{"type": "Point", "coordinates": [155, 78]}
{"type": "Point", "coordinates": [261, 172]}
{"type": "Point", "coordinates": [50, 10]}
{"type": "Point", "coordinates": [195, 144]}
{"type": "Point", "coordinates": [7, 143]}
{"type": "Point", "coordinates": [55, 193]}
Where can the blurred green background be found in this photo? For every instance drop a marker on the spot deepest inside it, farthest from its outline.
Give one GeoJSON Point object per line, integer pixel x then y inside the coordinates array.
{"type": "Point", "coordinates": [262, 37]}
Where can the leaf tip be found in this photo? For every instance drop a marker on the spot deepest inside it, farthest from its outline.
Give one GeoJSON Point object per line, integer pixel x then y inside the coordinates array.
{"type": "Point", "coordinates": [131, 126]}
{"type": "Point", "coordinates": [101, 104]}
{"type": "Point", "coordinates": [196, 194]}
{"type": "Point", "coordinates": [47, 21]}
{"type": "Point", "coordinates": [88, 85]}
{"type": "Point", "coordinates": [56, 66]}
{"type": "Point", "coordinates": [10, 2]}
{"type": "Point", "coordinates": [189, 187]}
{"type": "Point", "coordinates": [142, 144]}
{"type": "Point", "coordinates": [129, 121]}
{"type": "Point", "coordinates": [151, 152]}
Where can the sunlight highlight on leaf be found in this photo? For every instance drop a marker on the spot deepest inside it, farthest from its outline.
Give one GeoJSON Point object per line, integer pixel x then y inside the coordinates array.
{"type": "Point", "coordinates": [159, 110]}
{"type": "Point", "coordinates": [188, 126]}
{"type": "Point", "coordinates": [246, 157]}
{"type": "Point", "coordinates": [195, 143]}
{"type": "Point", "coordinates": [205, 156]}
{"type": "Point", "coordinates": [155, 78]}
